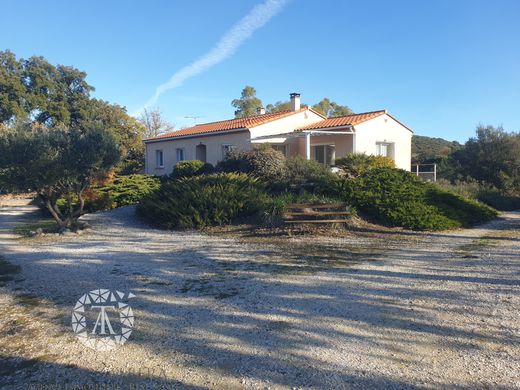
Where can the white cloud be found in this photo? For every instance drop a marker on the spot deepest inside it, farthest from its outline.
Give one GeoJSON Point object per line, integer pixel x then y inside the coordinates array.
{"type": "Point", "coordinates": [225, 47]}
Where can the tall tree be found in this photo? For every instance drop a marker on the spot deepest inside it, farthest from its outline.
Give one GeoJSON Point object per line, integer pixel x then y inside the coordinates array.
{"type": "Point", "coordinates": [55, 96]}
{"type": "Point", "coordinates": [331, 109]}
{"type": "Point", "coordinates": [128, 132]}
{"type": "Point", "coordinates": [13, 100]}
{"type": "Point", "coordinates": [154, 122]}
{"type": "Point", "coordinates": [55, 162]}
{"type": "Point", "coordinates": [247, 104]}
{"type": "Point", "coordinates": [278, 106]}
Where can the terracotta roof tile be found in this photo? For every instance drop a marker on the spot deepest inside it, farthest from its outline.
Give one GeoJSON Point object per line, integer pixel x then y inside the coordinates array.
{"type": "Point", "coordinates": [226, 125]}
{"type": "Point", "coordinates": [341, 121]}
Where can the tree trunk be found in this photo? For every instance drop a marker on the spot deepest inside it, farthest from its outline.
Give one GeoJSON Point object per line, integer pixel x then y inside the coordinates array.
{"type": "Point", "coordinates": [51, 206]}
{"type": "Point", "coordinates": [81, 204]}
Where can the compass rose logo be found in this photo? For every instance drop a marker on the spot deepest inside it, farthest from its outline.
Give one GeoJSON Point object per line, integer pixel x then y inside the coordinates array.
{"type": "Point", "coordinates": [102, 319]}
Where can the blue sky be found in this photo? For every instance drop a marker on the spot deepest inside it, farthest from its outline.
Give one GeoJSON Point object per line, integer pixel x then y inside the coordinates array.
{"type": "Point", "coordinates": [441, 67]}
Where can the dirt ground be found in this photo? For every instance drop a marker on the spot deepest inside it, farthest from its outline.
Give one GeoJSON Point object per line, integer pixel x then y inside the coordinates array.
{"type": "Point", "coordinates": [368, 309]}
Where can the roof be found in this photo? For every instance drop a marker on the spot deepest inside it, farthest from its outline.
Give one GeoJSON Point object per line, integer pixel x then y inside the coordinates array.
{"type": "Point", "coordinates": [343, 121]}
{"type": "Point", "coordinates": [227, 125]}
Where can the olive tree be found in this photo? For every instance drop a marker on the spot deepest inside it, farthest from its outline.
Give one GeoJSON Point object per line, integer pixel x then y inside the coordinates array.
{"type": "Point", "coordinates": [57, 163]}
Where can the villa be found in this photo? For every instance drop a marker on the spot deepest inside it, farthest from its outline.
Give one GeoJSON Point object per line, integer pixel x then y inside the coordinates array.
{"type": "Point", "coordinates": [300, 131]}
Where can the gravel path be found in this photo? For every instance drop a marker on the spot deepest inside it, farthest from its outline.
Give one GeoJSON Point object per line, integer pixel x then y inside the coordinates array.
{"type": "Point", "coordinates": [400, 310]}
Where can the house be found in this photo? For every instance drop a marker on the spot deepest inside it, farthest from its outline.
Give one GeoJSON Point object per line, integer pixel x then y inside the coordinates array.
{"type": "Point", "coordinates": [300, 131]}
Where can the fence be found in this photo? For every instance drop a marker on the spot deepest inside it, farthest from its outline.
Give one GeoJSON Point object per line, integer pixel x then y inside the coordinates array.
{"type": "Point", "coordinates": [427, 172]}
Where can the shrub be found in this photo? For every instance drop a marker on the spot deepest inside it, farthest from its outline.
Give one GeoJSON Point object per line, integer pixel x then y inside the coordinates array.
{"type": "Point", "coordinates": [234, 161]}
{"type": "Point", "coordinates": [498, 199]}
{"type": "Point", "coordinates": [198, 201]}
{"type": "Point", "coordinates": [191, 168]}
{"type": "Point", "coordinates": [262, 162]}
{"type": "Point", "coordinates": [355, 164]}
{"type": "Point", "coordinates": [266, 163]}
{"type": "Point", "coordinates": [303, 175]}
{"type": "Point", "coordinates": [398, 198]}
{"type": "Point", "coordinates": [122, 191]}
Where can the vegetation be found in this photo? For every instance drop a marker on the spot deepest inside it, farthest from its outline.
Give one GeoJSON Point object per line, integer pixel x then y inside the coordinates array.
{"type": "Point", "coordinates": [191, 168]}
{"type": "Point", "coordinates": [305, 176]}
{"type": "Point", "coordinates": [331, 109]}
{"type": "Point", "coordinates": [356, 164]}
{"type": "Point", "coordinates": [199, 201]}
{"type": "Point", "coordinates": [492, 157]}
{"type": "Point", "coordinates": [427, 149]}
{"type": "Point", "coordinates": [37, 93]}
{"type": "Point", "coordinates": [398, 198]}
{"type": "Point", "coordinates": [248, 103]}
{"type": "Point", "coordinates": [263, 162]}
{"type": "Point", "coordinates": [29, 229]}
{"type": "Point", "coordinates": [56, 162]}
{"type": "Point", "coordinates": [486, 168]}
{"type": "Point", "coordinates": [121, 191]}
{"type": "Point", "coordinates": [154, 123]}
{"type": "Point", "coordinates": [264, 182]}
{"type": "Point", "coordinates": [487, 194]}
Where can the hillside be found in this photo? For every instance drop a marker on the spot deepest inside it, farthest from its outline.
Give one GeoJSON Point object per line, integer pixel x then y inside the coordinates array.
{"type": "Point", "coordinates": [425, 148]}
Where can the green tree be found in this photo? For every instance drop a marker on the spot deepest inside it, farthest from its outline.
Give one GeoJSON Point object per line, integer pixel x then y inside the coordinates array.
{"type": "Point", "coordinates": [331, 109]}
{"type": "Point", "coordinates": [13, 102]}
{"type": "Point", "coordinates": [55, 162]}
{"type": "Point", "coordinates": [278, 106]}
{"type": "Point", "coordinates": [247, 104]}
{"type": "Point", "coordinates": [492, 157]}
{"type": "Point", "coordinates": [127, 131]}
{"type": "Point", "coordinates": [57, 96]}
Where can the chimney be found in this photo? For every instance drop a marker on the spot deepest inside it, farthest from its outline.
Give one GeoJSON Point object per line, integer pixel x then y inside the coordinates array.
{"type": "Point", "coordinates": [295, 101]}
{"type": "Point", "coordinates": [260, 111]}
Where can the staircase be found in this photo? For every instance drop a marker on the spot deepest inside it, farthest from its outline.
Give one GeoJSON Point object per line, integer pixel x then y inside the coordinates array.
{"type": "Point", "coordinates": [316, 213]}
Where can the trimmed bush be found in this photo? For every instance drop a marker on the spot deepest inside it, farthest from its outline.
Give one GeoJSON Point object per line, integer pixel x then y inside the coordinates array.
{"type": "Point", "coordinates": [356, 164]}
{"type": "Point", "coordinates": [199, 201]}
{"type": "Point", "coordinates": [262, 162]}
{"type": "Point", "coordinates": [305, 176]}
{"type": "Point", "coordinates": [191, 168]}
{"type": "Point", "coordinates": [398, 198]}
{"type": "Point", "coordinates": [266, 163]}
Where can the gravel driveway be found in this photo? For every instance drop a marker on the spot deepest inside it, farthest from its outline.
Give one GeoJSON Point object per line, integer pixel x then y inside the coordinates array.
{"type": "Point", "coordinates": [399, 310]}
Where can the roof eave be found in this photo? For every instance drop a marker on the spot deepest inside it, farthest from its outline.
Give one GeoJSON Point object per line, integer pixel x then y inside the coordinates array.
{"type": "Point", "coordinates": [209, 133]}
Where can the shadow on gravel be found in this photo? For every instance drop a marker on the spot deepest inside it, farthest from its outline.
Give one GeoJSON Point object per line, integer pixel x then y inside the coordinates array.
{"type": "Point", "coordinates": [83, 379]}
{"type": "Point", "coordinates": [223, 306]}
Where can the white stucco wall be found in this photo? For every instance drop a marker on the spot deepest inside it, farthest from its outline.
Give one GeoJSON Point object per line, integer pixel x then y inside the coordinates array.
{"type": "Point", "coordinates": [385, 129]}
{"type": "Point", "coordinates": [287, 124]}
{"type": "Point", "coordinates": [214, 143]}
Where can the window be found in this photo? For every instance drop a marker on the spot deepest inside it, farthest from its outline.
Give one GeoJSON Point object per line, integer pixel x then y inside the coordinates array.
{"type": "Point", "coordinates": [179, 153]}
{"type": "Point", "coordinates": [384, 149]}
{"type": "Point", "coordinates": [227, 148]}
{"type": "Point", "coordinates": [324, 154]}
{"type": "Point", "coordinates": [159, 160]}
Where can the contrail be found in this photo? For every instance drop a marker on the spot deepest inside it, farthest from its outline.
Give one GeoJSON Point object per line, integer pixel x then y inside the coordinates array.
{"type": "Point", "coordinates": [225, 47]}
